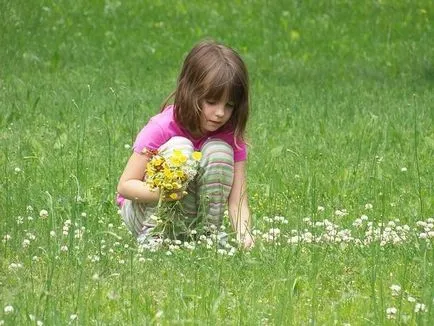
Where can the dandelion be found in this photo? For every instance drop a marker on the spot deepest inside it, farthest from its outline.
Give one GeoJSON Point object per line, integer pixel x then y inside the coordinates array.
{"type": "Point", "coordinates": [8, 309]}
{"type": "Point", "coordinates": [43, 214]}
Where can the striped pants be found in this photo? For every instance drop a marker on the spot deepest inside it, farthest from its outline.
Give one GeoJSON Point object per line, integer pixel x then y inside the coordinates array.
{"type": "Point", "coordinates": [207, 194]}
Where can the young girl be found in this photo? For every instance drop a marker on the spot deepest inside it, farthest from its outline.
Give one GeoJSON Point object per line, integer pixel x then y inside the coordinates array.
{"type": "Point", "coordinates": [209, 114]}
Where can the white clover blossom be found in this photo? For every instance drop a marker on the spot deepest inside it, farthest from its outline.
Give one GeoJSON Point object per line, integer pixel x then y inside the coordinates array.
{"type": "Point", "coordinates": [43, 213]}
{"type": "Point", "coordinates": [391, 312]}
{"type": "Point", "coordinates": [8, 309]}
{"type": "Point", "coordinates": [396, 289]}
{"type": "Point", "coordinates": [368, 206]}
{"type": "Point", "coordinates": [411, 299]}
{"type": "Point", "coordinates": [341, 212]}
{"type": "Point", "coordinates": [420, 307]}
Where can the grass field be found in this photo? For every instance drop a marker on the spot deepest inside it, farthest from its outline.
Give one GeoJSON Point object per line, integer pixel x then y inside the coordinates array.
{"type": "Point", "coordinates": [340, 165]}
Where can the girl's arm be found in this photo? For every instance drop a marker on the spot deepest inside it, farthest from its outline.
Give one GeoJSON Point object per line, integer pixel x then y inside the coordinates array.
{"type": "Point", "coordinates": [239, 213]}
{"type": "Point", "coordinates": [131, 185]}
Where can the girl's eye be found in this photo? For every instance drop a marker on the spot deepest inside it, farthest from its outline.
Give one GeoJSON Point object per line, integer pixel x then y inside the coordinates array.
{"type": "Point", "coordinates": [230, 105]}
{"type": "Point", "coordinates": [211, 102]}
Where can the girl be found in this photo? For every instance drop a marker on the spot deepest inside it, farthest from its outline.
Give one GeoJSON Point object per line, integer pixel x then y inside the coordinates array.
{"type": "Point", "coordinates": [209, 114]}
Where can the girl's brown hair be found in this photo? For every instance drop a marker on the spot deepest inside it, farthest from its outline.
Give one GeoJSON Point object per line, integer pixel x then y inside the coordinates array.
{"type": "Point", "coordinates": [211, 71]}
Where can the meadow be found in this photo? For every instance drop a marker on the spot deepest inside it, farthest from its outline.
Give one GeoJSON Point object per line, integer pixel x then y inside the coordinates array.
{"type": "Point", "coordinates": [340, 167]}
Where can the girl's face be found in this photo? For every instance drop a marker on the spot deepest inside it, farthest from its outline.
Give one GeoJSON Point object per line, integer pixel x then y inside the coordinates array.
{"type": "Point", "coordinates": [215, 114]}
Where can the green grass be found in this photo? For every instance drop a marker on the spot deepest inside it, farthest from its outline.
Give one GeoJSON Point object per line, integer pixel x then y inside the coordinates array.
{"type": "Point", "coordinates": [342, 101]}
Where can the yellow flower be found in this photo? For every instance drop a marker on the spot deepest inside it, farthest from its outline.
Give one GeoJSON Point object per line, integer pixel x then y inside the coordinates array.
{"type": "Point", "coordinates": [178, 158]}
{"type": "Point", "coordinates": [176, 185]}
{"type": "Point", "coordinates": [173, 195]}
{"type": "Point", "coordinates": [157, 160]}
{"type": "Point", "coordinates": [196, 156]}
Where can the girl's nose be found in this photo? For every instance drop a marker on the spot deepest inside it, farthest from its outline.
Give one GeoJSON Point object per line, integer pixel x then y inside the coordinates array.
{"type": "Point", "coordinates": [220, 110]}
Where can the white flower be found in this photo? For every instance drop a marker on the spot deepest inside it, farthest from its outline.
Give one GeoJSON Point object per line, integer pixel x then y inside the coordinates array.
{"type": "Point", "coordinates": [8, 309]}
{"type": "Point", "coordinates": [64, 248]}
{"type": "Point", "coordinates": [419, 307]}
{"type": "Point", "coordinates": [320, 209]}
{"type": "Point", "coordinates": [6, 238]}
{"type": "Point", "coordinates": [411, 299]}
{"type": "Point", "coordinates": [404, 169]}
{"type": "Point", "coordinates": [13, 266]}
{"type": "Point", "coordinates": [52, 233]}
{"type": "Point", "coordinates": [17, 170]}
{"type": "Point", "coordinates": [26, 243]}
{"type": "Point", "coordinates": [396, 289]}
{"type": "Point", "coordinates": [391, 312]}
{"type": "Point", "coordinates": [43, 213]}
{"type": "Point", "coordinates": [341, 212]}
{"type": "Point", "coordinates": [368, 206]}
{"type": "Point", "coordinates": [127, 146]}
{"type": "Point", "coordinates": [73, 317]}
{"type": "Point", "coordinates": [95, 277]}
{"type": "Point", "coordinates": [84, 214]}
{"type": "Point", "coordinates": [39, 323]}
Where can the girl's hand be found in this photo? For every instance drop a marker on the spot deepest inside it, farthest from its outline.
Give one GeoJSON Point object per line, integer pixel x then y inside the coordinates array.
{"type": "Point", "coordinates": [246, 240]}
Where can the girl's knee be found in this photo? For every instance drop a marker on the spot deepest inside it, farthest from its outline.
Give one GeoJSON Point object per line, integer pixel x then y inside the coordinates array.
{"type": "Point", "coordinates": [215, 150]}
{"type": "Point", "coordinates": [180, 143]}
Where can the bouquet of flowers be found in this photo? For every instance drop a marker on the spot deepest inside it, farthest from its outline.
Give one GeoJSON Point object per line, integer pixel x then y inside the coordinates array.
{"type": "Point", "coordinates": [171, 175]}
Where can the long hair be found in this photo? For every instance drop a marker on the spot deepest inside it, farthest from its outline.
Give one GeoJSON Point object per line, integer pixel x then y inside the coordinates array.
{"type": "Point", "coordinates": [211, 71]}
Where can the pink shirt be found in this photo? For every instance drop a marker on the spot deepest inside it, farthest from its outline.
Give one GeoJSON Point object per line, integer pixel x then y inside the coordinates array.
{"type": "Point", "coordinates": [163, 126]}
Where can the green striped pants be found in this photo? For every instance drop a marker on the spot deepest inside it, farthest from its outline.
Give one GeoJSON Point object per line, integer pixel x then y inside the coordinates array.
{"type": "Point", "coordinates": [207, 194]}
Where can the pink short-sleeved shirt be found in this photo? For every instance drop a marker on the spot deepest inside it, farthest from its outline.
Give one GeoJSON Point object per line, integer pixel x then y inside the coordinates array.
{"type": "Point", "coordinates": [163, 126]}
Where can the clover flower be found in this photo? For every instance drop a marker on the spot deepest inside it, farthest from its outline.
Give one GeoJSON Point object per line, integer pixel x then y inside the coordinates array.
{"type": "Point", "coordinates": [420, 307]}
{"type": "Point", "coordinates": [8, 309]}
{"type": "Point", "coordinates": [396, 289]}
{"type": "Point", "coordinates": [391, 312]}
